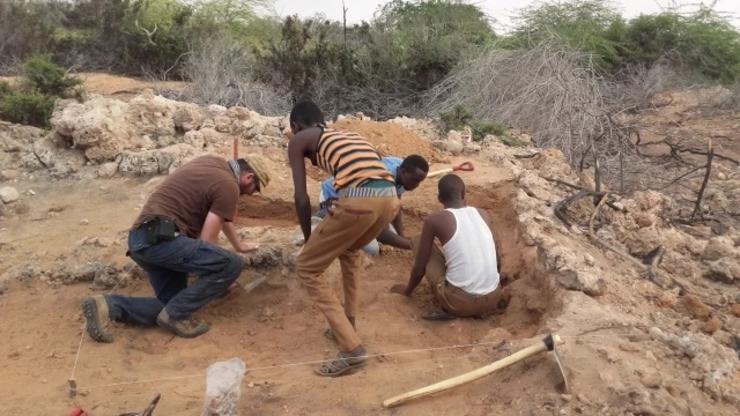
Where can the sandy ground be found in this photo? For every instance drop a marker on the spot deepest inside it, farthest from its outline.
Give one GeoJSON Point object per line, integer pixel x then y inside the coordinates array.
{"type": "Point", "coordinates": [109, 84]}
{"type": "Point", "coordinates": [269, 328]}
{"type": "Point", "coordinates": [279, 334]}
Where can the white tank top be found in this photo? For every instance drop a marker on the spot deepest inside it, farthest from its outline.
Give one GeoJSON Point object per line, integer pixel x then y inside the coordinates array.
{"type": "Point", "coordinates": [470, 254]}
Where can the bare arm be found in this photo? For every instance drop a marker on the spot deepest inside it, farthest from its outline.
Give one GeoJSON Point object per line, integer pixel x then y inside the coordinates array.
{"type": "Point", "coordinates": [398, 223]}
{"type": "Point", "coordinates": [296, 149]}
{"type": "Point", "coordinates": [229, 230]}
{"type": "Point", "coordinates": [392, 239]}
{"type": "Point", "coordinates": [423, 254]}
{"type": "Point", "coordinates": [211, 227]}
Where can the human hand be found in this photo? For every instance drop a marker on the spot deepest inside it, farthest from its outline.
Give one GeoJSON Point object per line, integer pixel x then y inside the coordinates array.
{"type": "Point", "coordinates": [247, 247]}
{"type": "Point", "coordinates": [399, 289]}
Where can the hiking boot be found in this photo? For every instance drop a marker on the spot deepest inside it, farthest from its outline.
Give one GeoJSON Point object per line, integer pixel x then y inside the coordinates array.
{"type": "Point", "coordinates": [186, 328]}
{"type": "Point", "coordinates": [97, 318]}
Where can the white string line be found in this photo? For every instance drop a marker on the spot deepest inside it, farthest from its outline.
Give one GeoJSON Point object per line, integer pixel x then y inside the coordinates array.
{"type": "Point", "coordinates": [77, 355]}
{"type": "Point", "coordinates": [82, 338]}
{"type": "Point", "coordinates": [311, 362]}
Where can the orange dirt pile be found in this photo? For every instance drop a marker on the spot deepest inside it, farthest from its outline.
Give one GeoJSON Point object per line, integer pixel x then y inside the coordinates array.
{"type": "Point", "coordinates": [391, 139]}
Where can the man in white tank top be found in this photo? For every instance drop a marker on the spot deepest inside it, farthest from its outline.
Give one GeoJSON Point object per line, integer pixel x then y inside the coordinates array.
{"type": "Point", "coordinates": [464, 273]}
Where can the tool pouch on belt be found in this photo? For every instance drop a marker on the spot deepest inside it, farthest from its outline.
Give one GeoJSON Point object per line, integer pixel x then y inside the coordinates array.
{"type": "Point", "coordinates": [160, 229]}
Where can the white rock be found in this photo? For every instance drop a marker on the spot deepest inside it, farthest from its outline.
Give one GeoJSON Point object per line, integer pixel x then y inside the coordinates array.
{"type": "Point", "coordinates": [9, 194]}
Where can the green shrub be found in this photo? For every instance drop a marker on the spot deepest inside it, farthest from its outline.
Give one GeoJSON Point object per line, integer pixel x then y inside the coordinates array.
{"type": "Point", "coordinates": [704, 42]}
{"type": "Point", "coordinates": [586, 25]}
{"type": "Point", "coordinates": [48, 78]}
{"type": "Point", "coordinates": [460, 118]}
{"type": "Point", "coordinates": [27, 108]}
{"type": "Point", "coordinates": [4, 89]}
{"type": "Point", "coordinates": [456, 119]}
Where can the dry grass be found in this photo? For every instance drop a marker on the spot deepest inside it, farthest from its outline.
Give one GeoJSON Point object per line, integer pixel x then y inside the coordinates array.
{"type": "Point", "coordinates": [556, 95]}
{"type": "Point", "coordinates": [220, 72]}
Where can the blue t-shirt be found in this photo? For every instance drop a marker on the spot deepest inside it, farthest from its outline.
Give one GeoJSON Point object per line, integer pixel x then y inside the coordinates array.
{"type": "Point", "coordinates": [391, 163]}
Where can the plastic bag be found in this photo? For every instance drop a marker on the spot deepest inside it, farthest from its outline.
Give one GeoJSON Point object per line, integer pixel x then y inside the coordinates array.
{"type": "Point", "coordinates": [223, 381]}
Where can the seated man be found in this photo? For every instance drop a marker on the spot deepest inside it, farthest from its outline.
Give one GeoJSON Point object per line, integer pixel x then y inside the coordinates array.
{"type": "Point", "coordinates": [176, 234]}
{"type": "Point", "coordinates": [464, 274]}
{"type": "Point", "coordinates": [407, 174]}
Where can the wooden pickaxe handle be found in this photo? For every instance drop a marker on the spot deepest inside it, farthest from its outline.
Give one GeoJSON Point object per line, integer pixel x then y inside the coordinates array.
{"type": "Point", "coordinates": [544, 345]}
{"type": "Point", "coordinates": [464, 167]}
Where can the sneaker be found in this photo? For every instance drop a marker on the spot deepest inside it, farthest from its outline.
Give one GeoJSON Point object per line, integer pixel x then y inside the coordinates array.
{"type": "Point", "coordinates": [95, 310]}
{"type": "Point", "coordinates": [186, 328]}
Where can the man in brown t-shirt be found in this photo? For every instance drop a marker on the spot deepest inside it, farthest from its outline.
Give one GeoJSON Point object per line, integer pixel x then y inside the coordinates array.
{"type": "Point", "coordinates": [176, 234]}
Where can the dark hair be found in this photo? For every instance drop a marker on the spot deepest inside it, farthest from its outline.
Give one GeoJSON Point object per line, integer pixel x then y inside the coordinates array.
{"type": "Point", "coordinates": [412, 162]}
{"type": "Point", "coordinates": [450, 187]}
{"type": "Point", "coordinates": [244, 166]}
{"type": "Point", "coordinates": [308, 113]}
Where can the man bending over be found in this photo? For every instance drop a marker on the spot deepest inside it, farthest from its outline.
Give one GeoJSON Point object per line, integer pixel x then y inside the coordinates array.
{"type": "Point", "coordinates": [408, 173]}
{"type": "Point", "coordinates": [464, 273]}
{"type": "Point", "coordinates": [175, 235]}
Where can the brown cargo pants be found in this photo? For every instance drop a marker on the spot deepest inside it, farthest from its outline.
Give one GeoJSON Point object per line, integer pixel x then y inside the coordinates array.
{"type": "Point", "coordinates": [354, 223]}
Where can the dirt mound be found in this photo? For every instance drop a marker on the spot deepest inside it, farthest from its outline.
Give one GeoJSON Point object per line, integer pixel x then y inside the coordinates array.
{"type": "Point", "coordinates": [391, 139]}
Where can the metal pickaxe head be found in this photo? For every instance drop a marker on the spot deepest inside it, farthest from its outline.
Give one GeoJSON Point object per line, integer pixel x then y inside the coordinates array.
{"type": "Point", "coordinates": [551, 343]}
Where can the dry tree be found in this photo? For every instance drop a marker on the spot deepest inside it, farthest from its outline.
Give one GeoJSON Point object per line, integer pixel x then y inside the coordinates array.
{"type": "Point", "coordinates": [557, 95]}
{"type": "Point", "coordinates": [220, 71]}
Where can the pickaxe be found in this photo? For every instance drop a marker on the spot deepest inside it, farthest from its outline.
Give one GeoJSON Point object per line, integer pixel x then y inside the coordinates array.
{"type": "Point", "coordinates": [547, 344]}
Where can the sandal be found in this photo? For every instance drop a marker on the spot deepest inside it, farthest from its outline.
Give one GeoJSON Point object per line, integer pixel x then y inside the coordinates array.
{"type": "Point", "coordinates": [438, 315]}
{"type": "Point", "coordinates": [341, 366]}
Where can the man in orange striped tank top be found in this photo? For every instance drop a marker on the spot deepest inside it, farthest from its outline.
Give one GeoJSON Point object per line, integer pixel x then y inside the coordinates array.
{"type": "Point", "coordinates": [367, 204]}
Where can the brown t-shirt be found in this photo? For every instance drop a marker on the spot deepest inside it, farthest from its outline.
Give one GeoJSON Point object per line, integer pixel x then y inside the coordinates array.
{"type": "Point", "coordinates": [204, 184]}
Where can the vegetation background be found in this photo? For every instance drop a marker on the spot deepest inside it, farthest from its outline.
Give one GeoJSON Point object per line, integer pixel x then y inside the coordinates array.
{"type": "Point", "coordinates": [564, 74]}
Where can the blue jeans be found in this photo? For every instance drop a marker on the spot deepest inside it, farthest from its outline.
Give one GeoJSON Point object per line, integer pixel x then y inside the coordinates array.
{"type": "Point", "coordinates": [168, 263]}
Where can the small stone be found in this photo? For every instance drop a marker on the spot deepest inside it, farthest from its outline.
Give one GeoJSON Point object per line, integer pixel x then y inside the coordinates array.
{"type": "Point", "coordinates": [566, 397]}
{"type": "Point", "coordinates": [629, 347]}
{"type": "Point", "coordinates": [652, 380]}
{"type": "Point", "coordinates": [656, 333]}
{"type": "Point", "coordinates": [725, 270]}
{"type": "Point", "coordinates": [735, 309]}
{"type": "Point", "coordinates": [9, 194]}
{"type": "Point", "coordinates": [84, 221]}
{"type": "Point", "coordinates": [694, 307]}
{"type": "Point", "coordinates": [666, 300]}
{"type": "Point", "coordinates": [712, 325]}
{"type": "Point", "coordinates": [31, 192]}
{"type": "Point", "coordinates": [717, 248]}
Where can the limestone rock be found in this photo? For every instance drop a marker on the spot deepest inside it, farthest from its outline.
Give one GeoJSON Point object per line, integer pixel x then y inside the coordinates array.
{"type": "Point", "coordinates": [719, 247]}
{"type": "Point", "coordinates": [107, 170]}
{"type": "Point", "coordinates": [97, 126]}
{"type": "Point", "coordinates": [712, 325]}
{"type": "Point", "coordinates": [153, 162]}
{"type": "Point", "coordinates": [694, 307]}
{"type": "Point", "coordinates": [454, 147]}
{"type": "Point", "coordinates": [587, 283]}
{"type": "Point", "coordinates": [8, 194]}
{"type": "Point", "coordinates": [725, 270]}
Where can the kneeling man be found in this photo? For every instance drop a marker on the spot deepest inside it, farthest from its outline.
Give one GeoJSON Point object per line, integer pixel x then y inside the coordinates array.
{"type": "Point", "coordinates": [464, 273]}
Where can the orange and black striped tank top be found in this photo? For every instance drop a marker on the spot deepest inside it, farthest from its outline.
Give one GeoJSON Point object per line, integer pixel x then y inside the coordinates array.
{"type": "Point", "coordinates": [350, 158]}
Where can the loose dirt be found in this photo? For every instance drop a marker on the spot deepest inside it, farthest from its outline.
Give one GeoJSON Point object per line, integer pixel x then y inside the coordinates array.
{"type": "Point", "coordinates": [271, 326]}
{"type": "Point", "coordinates": [391, 139]}
{"type": "Point", "coordinates": [618, 364]}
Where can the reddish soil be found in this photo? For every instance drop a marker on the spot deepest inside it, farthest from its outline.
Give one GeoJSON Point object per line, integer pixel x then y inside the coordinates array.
{"type": "Point", "coordinates": [391, 139]}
